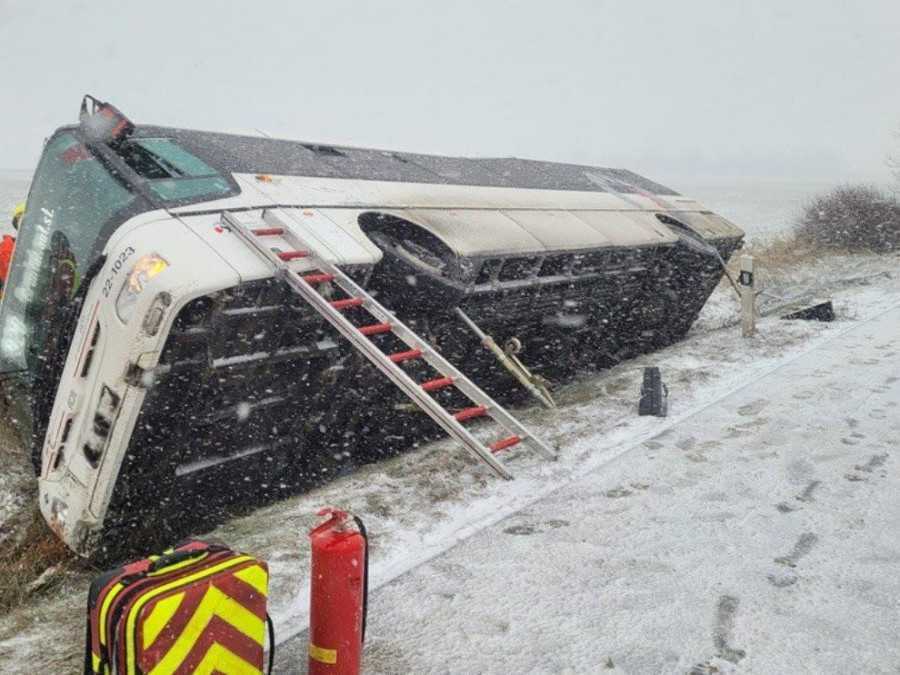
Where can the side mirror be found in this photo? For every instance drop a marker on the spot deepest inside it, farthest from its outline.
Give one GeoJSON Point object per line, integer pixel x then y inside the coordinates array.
{"type": "Point", "coordinates": [102, 122]}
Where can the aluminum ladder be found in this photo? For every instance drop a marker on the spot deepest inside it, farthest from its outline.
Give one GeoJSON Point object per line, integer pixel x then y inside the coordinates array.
{"type": "Point", "coordinates": [316, 271]}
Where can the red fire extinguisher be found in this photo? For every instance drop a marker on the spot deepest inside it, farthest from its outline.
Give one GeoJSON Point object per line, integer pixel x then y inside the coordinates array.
{"type": "Point", "coordinates": [338, 595]}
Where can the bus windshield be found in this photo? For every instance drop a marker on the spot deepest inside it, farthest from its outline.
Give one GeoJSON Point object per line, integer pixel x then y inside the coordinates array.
{"type": "Point", "coordinates": [72, 199]}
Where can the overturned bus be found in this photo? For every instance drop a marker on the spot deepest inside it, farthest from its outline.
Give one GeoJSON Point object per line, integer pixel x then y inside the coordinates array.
{"type": "Point", "coordinates": [171, 377]}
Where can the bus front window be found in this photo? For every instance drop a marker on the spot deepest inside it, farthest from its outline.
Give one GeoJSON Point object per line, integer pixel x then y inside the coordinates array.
{"type": "Point", "coordinates": [72, 198]}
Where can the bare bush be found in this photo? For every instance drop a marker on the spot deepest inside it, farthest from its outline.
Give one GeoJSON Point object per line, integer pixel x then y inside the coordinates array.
{"type": "Point", "coordinates": [852, 218]}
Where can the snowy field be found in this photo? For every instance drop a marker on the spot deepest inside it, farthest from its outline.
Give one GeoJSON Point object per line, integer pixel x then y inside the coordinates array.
{"type": "Point", "coordinates": [763, 208]}
{"type": "Point", "coordinates": [754, 530]}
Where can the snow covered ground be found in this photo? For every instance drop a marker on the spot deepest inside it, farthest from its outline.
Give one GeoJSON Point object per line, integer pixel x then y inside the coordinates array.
{"type": "Point", "coordinates": [646, 542]}
{"type": "Point", "coordinates": [758, 533]}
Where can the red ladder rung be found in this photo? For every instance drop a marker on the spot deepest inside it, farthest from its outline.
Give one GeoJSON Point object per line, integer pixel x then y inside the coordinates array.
{"type": "Point", "coordinates": [400, 357]}
{"type": "Point", "coordinates": [293, 255]}
{"type": "Point", "coordinates": [375, 329]}
{"type": "Point", "coordinates": [317, 278]}
{"type": "Point", "coordinates": [469, 413]}
{"type": "Point", "coordinates": [347, 302]}
{"type": "Point", "coordinates": [437, 383]}
{"type": "Point", "coordinates": [267, 231]}
{"type": "Point", "coordinates": [505, 443]}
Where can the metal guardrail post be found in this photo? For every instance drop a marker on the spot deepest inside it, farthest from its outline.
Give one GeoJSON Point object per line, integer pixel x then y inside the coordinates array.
{"type": "Point", "coordinates": [748, 297]}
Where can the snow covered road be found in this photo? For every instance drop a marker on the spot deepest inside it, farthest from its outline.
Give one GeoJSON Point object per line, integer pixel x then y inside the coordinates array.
{"type": "Point", "coordinates": [761, 534]}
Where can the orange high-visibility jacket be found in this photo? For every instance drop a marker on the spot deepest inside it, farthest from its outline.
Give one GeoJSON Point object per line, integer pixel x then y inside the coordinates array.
{"type": "Point", "coordinates": [7, 246]}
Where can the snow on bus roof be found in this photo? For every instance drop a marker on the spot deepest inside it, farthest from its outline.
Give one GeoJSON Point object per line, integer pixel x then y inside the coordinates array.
{"type": "Point", "coordinates": [255, 154]}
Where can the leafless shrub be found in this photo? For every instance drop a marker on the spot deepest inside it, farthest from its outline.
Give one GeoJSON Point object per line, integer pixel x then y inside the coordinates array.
{"type": "Point", "coordinates": [852, 218]}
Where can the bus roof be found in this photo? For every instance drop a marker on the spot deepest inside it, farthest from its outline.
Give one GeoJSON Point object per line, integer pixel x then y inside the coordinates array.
{"type": "Point", "coordinates": [262, 155]}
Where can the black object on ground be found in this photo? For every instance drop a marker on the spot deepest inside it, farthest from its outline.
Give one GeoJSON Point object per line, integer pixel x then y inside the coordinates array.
{"type": "Point", "coordinates": [654, 394]}
{"type": "Point", "coordinates": [822, 311]}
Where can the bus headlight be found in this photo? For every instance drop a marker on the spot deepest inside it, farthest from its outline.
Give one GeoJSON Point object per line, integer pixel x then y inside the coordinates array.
{"type": "Point", "coordinates": [145, 269]}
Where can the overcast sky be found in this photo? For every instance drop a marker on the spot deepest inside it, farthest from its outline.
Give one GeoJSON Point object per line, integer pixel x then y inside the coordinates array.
{"type": "Point", "coordinates": [781, 88]}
